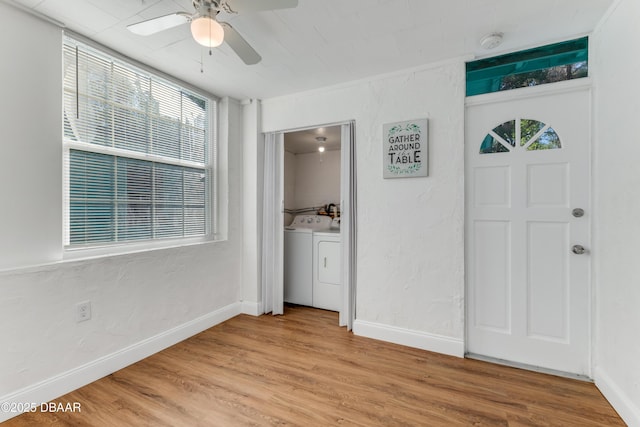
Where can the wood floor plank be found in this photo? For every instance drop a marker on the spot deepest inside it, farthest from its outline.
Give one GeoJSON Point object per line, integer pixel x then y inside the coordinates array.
{"type": "Point", "coordinates": [301, 369]}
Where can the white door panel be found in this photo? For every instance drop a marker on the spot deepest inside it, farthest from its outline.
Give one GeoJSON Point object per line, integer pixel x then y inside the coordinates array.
{"type": "Point", "coordinates": [329, 262]}
{"type": "Point", "coordinates": [547, 280]}
{"type": "Point", "coordinates": [527, 167]}
{"type": "Point", "coordinates": [327, 271]}
{"type": "Point", "coordinates": [493, 278]}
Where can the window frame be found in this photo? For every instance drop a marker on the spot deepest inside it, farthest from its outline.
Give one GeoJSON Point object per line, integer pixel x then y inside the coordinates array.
{"type": "Point", "coordinates": [210, 166]}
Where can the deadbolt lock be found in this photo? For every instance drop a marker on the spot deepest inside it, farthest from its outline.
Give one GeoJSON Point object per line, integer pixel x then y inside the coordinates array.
{"type": "Point", "coordinates": [578, 249]}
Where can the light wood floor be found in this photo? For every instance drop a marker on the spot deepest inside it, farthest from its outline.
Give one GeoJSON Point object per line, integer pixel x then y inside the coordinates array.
{"type": "Point", "coordinates": [300, 369]}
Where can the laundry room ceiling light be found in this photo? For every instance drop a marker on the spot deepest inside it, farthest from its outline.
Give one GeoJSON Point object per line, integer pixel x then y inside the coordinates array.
{"type": "Point", "coordinates": [321, 140]}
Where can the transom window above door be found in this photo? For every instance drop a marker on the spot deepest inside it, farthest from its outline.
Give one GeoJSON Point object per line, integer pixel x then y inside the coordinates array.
{"type": "Point", "coordinates": [520, 134]}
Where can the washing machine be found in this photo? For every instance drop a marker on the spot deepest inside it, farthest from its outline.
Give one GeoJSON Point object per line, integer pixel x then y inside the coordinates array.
{"type": "Point", "coordinates": [298, 257]}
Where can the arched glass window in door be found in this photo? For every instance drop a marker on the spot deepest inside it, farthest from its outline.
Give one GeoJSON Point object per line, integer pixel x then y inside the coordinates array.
{"type": "Point", "coordinates": [527, 134]}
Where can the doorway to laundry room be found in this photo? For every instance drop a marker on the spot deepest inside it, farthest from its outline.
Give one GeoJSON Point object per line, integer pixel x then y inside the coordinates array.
{"type": "Point", "coordinates": [312, 252]}
{"type": "Point", "coordinates": [309, 212]}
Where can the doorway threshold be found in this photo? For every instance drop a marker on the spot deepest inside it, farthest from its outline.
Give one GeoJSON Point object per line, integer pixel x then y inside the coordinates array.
{"type": "Point", "coordinates": [528, 367]}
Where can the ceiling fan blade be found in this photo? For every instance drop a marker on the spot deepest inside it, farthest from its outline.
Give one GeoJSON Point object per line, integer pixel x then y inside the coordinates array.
{"type": "Point", "coordinates": [161, 23]}
{"type": "Point", "coordinates": [242, 6]}
{"type": "Point", "coordinates": [239, 45]}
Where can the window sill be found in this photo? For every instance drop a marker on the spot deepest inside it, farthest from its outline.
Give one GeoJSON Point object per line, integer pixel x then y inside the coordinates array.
{"type": "Point", "coordinates": [84, 253]}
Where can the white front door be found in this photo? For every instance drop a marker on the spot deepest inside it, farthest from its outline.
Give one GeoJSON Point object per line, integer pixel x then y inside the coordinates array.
{"type": "Point", "coordinates": [527, 174]}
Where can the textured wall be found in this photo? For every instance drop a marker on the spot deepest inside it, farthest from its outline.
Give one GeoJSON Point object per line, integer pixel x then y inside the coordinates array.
{"type": "Point", "coordinates": [317, 179]}
{"type": "Point", "coordinates": [134, 296]}
{"type": "Point", "coordinates": [410, 231]}
{"type": "Point", "coordinates": [616, 67]}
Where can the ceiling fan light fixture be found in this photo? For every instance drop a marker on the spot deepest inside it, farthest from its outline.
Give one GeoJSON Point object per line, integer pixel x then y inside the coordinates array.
{"type": "Point", "coordinates": [207, 31]}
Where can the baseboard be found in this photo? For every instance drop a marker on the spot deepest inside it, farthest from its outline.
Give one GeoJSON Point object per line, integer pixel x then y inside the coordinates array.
{"type": "Point", "coordinates": [410, 338]}
{"type": "Point", "coordinates": [252, 308]}
{"type": "Point", "coordinates": [626, 408]}
{"type": "Point", "coordinates": [73, 379]}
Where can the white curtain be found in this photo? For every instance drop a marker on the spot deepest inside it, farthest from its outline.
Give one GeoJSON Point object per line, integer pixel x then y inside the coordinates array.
{"type": "Point", "coordinates": [273, 225]}
{"type": "Point", "coordinates": [348, 224]}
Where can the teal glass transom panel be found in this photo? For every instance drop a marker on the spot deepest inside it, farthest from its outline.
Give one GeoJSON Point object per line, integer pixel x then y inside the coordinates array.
{"type": "Point", "coordinates": [546, 64]}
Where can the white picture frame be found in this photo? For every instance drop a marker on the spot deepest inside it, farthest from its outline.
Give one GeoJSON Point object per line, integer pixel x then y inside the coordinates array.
{"type": "Point", "coordinates": [405, 151]}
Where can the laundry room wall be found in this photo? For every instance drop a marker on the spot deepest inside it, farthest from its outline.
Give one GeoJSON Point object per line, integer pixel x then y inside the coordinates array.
{"type": "Point", "coordinates": [616, 67]}
{"type": "Point", "coordinates": [317, 179]}
{"type": "Point", "coordinates": [410, 261]}
{"type": "Point", "coordinates": [290, 167]}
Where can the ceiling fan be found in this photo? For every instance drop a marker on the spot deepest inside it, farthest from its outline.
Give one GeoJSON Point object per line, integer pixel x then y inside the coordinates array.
{"type": "Point", "coordinates": [207, 30]}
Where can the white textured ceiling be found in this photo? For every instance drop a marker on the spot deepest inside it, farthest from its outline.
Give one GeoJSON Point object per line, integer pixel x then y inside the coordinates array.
{"type": "Point", "coordinates": [324, 42]}
{"type": "Point", "coordinates": [304, 141]}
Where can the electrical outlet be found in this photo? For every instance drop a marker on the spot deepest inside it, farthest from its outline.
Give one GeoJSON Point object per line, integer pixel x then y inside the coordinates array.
{"type": "Point", "coordinates": [83, 311]}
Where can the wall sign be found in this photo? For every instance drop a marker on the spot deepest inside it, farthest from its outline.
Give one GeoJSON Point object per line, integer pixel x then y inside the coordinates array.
{"type": "Point", "coordinates": [405, 152]}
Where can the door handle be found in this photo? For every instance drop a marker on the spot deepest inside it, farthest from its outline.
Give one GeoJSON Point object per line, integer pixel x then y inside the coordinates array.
{"type": "Point", "coordinates": [578, 249]}
{"type": "Point", "coordinates": [325, 262]}
{"type": "Point", "coordinates": [578, 212]}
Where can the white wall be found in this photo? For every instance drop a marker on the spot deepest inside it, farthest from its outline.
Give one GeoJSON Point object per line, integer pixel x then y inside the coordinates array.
{"type": "Point", "coordinates": [317, 179]}
{"type": "Point", "coordinates": [616, 67]}
{"type": "Point", "coordinates": [30, 147]}
{"type": "Point", "coordinates": [141, 302]}
{"type": "Point", "coordinates": [251, 207]}
{"type": "Point", "coordinates": [310, 179]}
{"type": "Point", "coordinates": [410, 264]}
{"type": "Point", "coordinates": [289, 185]}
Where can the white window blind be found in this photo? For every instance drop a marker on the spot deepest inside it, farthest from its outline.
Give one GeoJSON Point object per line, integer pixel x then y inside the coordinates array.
{"type": "Point", "coordinates": [137, 152]}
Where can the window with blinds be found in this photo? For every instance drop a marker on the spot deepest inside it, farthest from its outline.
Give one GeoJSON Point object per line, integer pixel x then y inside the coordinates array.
{"type": "Point", "coordinates": [136, 152]}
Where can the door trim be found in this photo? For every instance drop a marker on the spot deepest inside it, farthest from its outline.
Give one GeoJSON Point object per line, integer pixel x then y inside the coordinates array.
{"type": "Point", "coordinates": [530, 92]}
{"type": "Point", "coordinates": [347, 313]}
